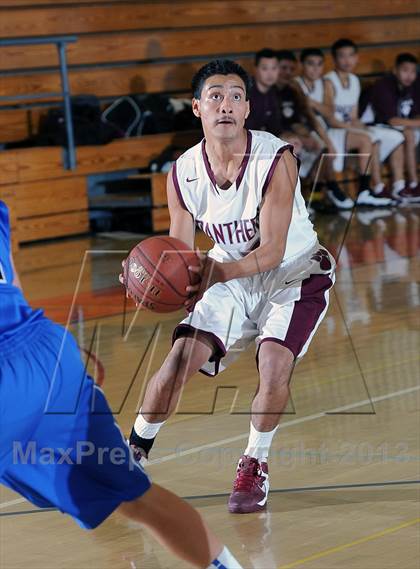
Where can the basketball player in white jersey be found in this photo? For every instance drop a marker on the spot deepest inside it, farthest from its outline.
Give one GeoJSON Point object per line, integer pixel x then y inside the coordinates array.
{"type": "Point", "coordinates": [312, 86]}
{"type": "Point", "coordinates": [266, 279]}
{"type": "Point", "coordinates": [375, 144]}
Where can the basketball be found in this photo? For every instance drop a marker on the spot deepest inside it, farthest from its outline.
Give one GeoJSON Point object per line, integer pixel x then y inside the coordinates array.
{"type": "Point", "coordinates": [156, 273]}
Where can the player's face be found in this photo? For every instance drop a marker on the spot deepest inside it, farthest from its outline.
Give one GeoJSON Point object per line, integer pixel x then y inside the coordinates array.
{"type": "Point", "coordinates": [287, 70]}
{"type": "Point", "coordinates": [406, 73]}
{"type": "Point", "coordinates": [222, 107]}
{"type": "Point", "coordinates": [267, 71]}
{"type": "Point", "coordinates": [313, 67]}
{"type": "Point", "coordinates": [346, 59]}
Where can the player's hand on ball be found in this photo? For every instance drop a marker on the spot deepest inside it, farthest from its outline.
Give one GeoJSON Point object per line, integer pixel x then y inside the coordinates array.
{"type": "Point", "coordinates": [122, 280]}
{"type": "Point", "coordinates": [121, 275]}
{"type": "Point", "coordinates": [209, 272]}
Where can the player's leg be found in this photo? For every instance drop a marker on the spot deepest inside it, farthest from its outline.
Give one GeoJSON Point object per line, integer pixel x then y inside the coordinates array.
{"type": "Point", "coordinates": [389, 142]}
{"type": "Point", "coordinates": [90, 472]}
{"type": "Point", "coordinates": [410, 155]}
{"type": "Point", "coordinates": [396, 163]}
{"type": "Point", "coordinates": [187, 356]}
{"type": "Point", "coordinates": [275, 366]}
{"type": "Point", "coordinates": [410, 194]}
{"type": "Point", "coordinates": [333, 161]}
{"type": "Point", "coordinates": [200, 342]}
{"type": "Point", "coordinates": [333, 189]}
{"type": "Point", "coordinates": [179, 527]}
{"type": "Point", "coordinates": [368, 159]}
{"type": "Point", "coordinates": [287, 324]}
{"type": "Point", "coordinates": [361, 142]}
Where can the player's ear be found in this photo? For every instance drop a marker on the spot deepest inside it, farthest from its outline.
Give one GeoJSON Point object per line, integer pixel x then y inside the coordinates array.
{"type": "Point", "coordinates": [196, 107]}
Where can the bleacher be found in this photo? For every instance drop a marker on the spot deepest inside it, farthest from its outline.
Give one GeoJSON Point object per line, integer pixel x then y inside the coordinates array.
{"type": "Point", "coordinates": [152, 47]}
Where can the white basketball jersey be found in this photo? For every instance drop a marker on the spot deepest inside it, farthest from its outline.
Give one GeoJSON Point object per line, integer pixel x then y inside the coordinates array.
{"type": "Point", "coordinates": [345, 97]}
{"type": "Point", "coordinates": [231, 217]}
{"type": "Point", "coordinates": [316, 94]}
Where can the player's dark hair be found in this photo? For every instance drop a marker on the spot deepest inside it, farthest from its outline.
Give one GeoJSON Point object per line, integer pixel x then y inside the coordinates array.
{"type": "Point", "coordinates": [342, 42]}
{"type": "Point", "coordinates": [219, 67]}
{"type": "Point", "coordinates": [310, 51]}
{"type": "Point", "coordinates": [405, 58]}
{"type": "Point", "coordinates": [286, 54]}
{"type": "Point", "coordinates": [266, 52]}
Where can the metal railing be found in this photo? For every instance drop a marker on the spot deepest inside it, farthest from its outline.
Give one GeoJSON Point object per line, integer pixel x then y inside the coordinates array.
{"type": "Point", "coordinates": [69, 158]}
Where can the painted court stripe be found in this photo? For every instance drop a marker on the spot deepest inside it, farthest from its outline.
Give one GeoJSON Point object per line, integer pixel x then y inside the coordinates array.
{"type": "Point", "coordinates": [286, 424]}
{"type": "Point", "coordinates": [314, 488]}
{"type": "Point", "coordinates": [344, 546]}
{"type": "Point", "coordinates": [330, 487]}
{"type": "Point", "coordinates": [245, 435]}
{"type": "Point", "coordinates": [12, 503]}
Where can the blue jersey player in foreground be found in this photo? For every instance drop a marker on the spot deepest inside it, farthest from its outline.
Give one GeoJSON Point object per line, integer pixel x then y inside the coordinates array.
{"type": "Point", "coordinates": [48, 404]}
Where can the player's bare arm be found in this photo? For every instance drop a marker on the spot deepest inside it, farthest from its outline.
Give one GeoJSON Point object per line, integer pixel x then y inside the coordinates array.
{"type": "Point", "coordinates": [355, 121]}
{"type": "Point", "coordinates": [320, 108]}
{"type": "Point", "coordinates": [399, 121]}
{"type": "Point", "coordinates": [321, 132]}
{"type": "Point", "coordinates": [275, 216]}
{"type": "Point", "coordinates": [182, 223]}
{"type": "Point", "coordinates": [329, 106]}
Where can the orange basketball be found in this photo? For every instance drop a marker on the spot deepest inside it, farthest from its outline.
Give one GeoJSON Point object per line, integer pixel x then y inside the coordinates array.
{"type": "Point", "coordinates": [156, 273]}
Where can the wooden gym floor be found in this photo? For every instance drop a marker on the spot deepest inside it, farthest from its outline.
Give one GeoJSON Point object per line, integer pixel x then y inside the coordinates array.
{"type": "Point", "coordinates": [344, 468]}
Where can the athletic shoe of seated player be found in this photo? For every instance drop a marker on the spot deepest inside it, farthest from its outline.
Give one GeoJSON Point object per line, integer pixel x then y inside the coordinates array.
{"type": "Point", "coordinates": [338, 197]}
{"type": "Point", "coordinates": [382, 191]}
{"type": "Point", "coordinates": [250, 488]}
{"type": "Point", "coordinates": [410, 194]}
{"type": "Point", "coordinates": [366, 196]}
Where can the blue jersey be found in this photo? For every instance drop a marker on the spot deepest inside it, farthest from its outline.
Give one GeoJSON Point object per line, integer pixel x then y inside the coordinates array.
{"type": "Point", "coordinates": [15, 313]}
{"type": "Point", "coordinates": [6, 271]}
{"type": "Point", "coordinates": [48, 403]}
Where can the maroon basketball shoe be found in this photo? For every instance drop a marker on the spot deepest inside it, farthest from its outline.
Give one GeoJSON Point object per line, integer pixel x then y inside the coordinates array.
{"type": "Point", "coordinates": [250, 489]}
{"type": "Point", "coordinates": [410, 195]}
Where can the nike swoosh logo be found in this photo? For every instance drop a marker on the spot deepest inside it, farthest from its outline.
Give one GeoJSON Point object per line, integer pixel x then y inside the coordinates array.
{"type": "Point", "coordinates": [265, 488]}
{"type": "Point", "coordinates": [192, 179]}
{"type": "Point", "coordinates": [294, 281]}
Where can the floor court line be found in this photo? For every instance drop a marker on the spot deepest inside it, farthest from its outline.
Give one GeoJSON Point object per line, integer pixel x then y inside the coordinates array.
{"type": "Point", "coordinates": [344, 546]}
{"type": "Point", "coordinates": [331, 487]}
{"type": "Point", "coordinates": [245, 435]}
{"type": "Point", "coordinates": [285, 425]}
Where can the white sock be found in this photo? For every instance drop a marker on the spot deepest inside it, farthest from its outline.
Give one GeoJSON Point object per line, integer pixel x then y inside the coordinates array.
{"type": "Point", "coordinates": [145, 429]}
{"type": "Point", "coordinates": [259, 443]}
{"type": "Point", "coordinates": [378, 188]}
{"type": "Point", "coordinates": [398, 185]}
{"type": "Point", "coordinates": [413, 185]}
{"type": "Point", "coordinates": [226, 560]}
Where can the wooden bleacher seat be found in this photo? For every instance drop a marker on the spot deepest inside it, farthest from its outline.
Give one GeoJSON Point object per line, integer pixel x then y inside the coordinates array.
{"type": "Point", "coordinates": [129, 47]}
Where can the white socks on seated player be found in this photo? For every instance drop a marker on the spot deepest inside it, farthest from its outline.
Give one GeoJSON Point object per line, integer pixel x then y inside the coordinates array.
{"type": "Point", "coordinates": [225, 560]}
{"type": "Point", "coordinates": [259, 443]}
{"type": "Point", "coordinates": [398, 186]}
{"type": "Point", "coordinates": [144, 429]}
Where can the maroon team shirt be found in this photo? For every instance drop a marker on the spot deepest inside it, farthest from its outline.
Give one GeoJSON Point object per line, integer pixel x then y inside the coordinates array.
{"type": "Point", "coordinates": [265, 111]}
{"type": "Point", "coordinates": [389, 99]}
